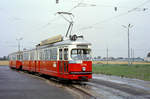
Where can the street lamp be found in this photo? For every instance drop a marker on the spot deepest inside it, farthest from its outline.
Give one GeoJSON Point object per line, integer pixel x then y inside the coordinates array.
{"type": "Point", "coordinates": [19, 39]}
{"type": "Point", "coordinates": [128, 28]}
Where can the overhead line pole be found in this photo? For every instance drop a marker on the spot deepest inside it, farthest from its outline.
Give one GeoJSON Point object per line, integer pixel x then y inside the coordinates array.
{"type": "Point", "coordinates": [128, 32]}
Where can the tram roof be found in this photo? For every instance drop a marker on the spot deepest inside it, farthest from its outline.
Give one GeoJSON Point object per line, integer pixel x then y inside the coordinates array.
{"type": "Point", "coordinates": [70, 42]}
{"type": "Point", "coordinates": [19, 52]}
{"type": "Point", "coordinates": [79, 41]}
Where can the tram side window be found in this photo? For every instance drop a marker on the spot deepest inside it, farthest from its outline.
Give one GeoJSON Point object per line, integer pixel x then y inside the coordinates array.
{"type": "Point", "coordinates": [54, 54]}
{"type": "Point", "coordinates": [10, 57]}
{"type": "Point", "coordinates": [26, 56]}
{"type": "Point", "coordinates": [49, 54]}
{"type": "Point", "coordinates": [21, 57]}
{"type": "Point", "coordinates": [41, 56]}
{"type": "Point", "coordinates": [18, 57]}
{"type": "Point", "coordinates": [60, 54]}
{"type": "Point", "coordinates": [46, 54]}
{"type": "Point", "coordinates": [32, 56]}
{"type": "Point", "coordinates": [66, 54]}
{"type": "Point", "coordinates": [14, 57]}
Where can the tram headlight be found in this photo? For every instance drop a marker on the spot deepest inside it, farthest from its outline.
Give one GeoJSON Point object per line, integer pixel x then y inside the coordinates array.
{"type": "Point", "coordinates": [83, 68]}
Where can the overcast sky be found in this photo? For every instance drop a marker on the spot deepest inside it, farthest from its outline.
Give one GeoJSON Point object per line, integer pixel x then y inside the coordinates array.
{"type": "Point", "coordinates": [36, 20]}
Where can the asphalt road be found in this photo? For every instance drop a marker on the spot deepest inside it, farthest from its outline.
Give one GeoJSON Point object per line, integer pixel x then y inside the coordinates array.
{"type": "Point", "coordinates": [15, 85]}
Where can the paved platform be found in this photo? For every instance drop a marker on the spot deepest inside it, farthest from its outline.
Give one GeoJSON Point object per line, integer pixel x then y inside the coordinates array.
{"type": "Point", "coordinates": [15, 85]}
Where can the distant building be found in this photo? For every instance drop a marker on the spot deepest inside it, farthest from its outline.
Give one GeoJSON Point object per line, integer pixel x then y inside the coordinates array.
{"type": "Point", "coordinates": [138, 59]}
{"type": "Point", "coordinates": [4, 58]}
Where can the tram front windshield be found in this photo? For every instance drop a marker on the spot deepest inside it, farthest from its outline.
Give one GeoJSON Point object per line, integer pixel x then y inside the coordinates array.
{"type": "Point", "coordinates": [81, 54]}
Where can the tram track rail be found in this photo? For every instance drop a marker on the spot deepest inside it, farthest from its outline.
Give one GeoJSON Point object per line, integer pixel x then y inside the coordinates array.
{"type": "Point", "coordinates": [122, 91]}
{"type": "Point", "coordinates": [86, 94]}
{"type": "Point", "coordinates": [122, 87]}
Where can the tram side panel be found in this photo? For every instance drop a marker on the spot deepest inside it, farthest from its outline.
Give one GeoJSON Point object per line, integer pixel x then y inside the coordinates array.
{"type": "Point", "coordinates": [37, 68]}
{"type": "Point", "coordinates": [25, 65]}
{"type": "Point", "coordinates": [12, 64]}
{"type": "Point", "coordinates": [52, 68]}
{"type": "Point", "coordinates": [29, 65]}
{"type": "Point", "coordinates": [18, 64]}
{"type": "Point", "coordinates": [47, 67]}
{"type": "Point", "coordinates": [33, 66]}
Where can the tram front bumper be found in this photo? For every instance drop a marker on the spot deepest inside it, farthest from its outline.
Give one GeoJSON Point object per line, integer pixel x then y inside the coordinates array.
{"type": "Point", "coordinates": [80, 77]}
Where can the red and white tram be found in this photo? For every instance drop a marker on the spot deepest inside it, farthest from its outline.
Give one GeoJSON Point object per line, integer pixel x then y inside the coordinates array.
{"type": "Point", "coordinates": [68, 59]}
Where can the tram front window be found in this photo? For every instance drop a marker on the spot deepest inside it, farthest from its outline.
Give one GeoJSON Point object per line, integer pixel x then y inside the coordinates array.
{"type": "Point", "coordinates": [80, 54]}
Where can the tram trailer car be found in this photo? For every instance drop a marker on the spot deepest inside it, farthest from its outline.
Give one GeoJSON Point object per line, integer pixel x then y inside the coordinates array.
{"type": "Point", "coordinates": [16, 60]}
{"type": "Point", "coordinates": [65, 59]}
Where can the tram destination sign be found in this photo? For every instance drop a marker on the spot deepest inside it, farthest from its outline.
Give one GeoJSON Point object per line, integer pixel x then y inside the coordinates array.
{"type": "Point", "coordinates": [82, 46]}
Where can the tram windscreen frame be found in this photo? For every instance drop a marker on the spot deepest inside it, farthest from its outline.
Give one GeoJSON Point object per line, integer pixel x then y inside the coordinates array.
{"type": "Point", "coordinates": [81, 54]}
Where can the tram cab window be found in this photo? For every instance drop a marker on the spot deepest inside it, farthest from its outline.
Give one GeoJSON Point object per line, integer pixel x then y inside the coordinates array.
{"type": "Point", "coordinates": [65, 54]}
{"type": "Point", "coordinates": [80, 54]}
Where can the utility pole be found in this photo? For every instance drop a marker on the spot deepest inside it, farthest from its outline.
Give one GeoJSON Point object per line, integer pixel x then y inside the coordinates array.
{"type": "Point", "coordinates": [19, 39]}
{"type": "Point", "coordinates": [128, 32]}
{"type": "Point", "coordinates": [131, 55]}
{"type": "Point", "coordinates": [107, 55]}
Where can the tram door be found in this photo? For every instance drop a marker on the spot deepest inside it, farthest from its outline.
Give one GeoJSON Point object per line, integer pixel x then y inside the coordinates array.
{"type": "Point", "coordinates": [63, 61]}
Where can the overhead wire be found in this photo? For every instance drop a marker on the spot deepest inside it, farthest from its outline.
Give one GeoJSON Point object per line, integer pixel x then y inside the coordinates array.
{"type": "Point", "coordinates": [111, 18]}
{"type": "Point", "coordinates": [139, 6]}
{"type": "Point", "coordinates": [62, 15]}
{"type": "Point", "coordinates": [76, 6]}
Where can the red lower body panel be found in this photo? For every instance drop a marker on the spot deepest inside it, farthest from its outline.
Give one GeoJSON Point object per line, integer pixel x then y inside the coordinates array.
{"type": "Point", "coordinates": [60, 69]}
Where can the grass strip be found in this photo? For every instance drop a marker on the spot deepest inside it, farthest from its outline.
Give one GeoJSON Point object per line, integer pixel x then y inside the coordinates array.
{"type": "Point", "coordinates": [138, 71]}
